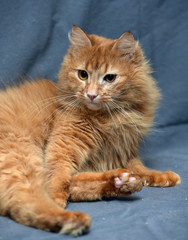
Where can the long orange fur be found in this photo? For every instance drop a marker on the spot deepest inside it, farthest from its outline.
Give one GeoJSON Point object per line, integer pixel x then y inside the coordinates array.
{"type": "Point", "coordinates": [57, 143]}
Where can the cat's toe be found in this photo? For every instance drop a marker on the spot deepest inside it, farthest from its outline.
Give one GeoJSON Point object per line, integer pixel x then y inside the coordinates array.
{"type": "Point", "coordinates": [122, 179]}
{"type": "Point", "coordinates": [134, 184]}
{"type": "Point", "coordinates": [118, 182]}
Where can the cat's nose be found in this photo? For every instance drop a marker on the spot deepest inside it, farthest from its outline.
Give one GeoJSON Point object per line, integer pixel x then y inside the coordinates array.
{"type": "Point", "coordinates": [92, 96]}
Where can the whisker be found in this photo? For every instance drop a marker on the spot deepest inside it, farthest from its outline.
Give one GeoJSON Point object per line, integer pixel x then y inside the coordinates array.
{"type": "Point", "coordinates": [40, 108]}
{"type": "Point", "coordinates": [113, 110]}
{"type": "Point", "coordinates": [56, 86]}
{"type": "Point", "coordinates": [46, 103]}
{"type": "Point", "coordinates": [71, 106]}
{"type": "Point", "coordinates": [50, 117]}
{"type": "Point", "coordinates": [108, 109]}
{"type": "Point", "coordinates": [62, 111]}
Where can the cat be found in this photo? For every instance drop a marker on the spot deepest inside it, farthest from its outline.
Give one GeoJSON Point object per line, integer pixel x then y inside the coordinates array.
{"type": "Point", "coordinates": [78, 139]}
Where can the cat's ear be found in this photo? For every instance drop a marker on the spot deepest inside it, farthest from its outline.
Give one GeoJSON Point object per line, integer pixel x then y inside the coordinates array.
{"type": "Point", "coordinates": [126, 45]}
{"type": "Point", "coordinates": [79, 38]}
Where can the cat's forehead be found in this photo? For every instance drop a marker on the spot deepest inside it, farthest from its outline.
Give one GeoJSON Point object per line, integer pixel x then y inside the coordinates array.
{"type": "Point", "coordinates": [93, 67]}
{"type": "Point", "coordinates": [98, 59]}
{"type": "Point", "coordinates": [97, 65]}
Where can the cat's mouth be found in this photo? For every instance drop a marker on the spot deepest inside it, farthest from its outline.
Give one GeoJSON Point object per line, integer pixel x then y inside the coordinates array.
{"type": "Point", "coordinates": [91, 102]}
{"type": "Point", "coordinates": [93, 105]}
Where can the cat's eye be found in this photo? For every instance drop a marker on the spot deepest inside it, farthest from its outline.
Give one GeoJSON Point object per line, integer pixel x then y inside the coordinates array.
{"type": "Point", "coordinates": [110, 78]}
{"type": "Point", "coordinates": [82, 74]}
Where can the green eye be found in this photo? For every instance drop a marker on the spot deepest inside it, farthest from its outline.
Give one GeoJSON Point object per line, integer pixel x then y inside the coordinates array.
{"type": "Point", "coordinates": [110, 78]}
{"type": "Point", "coordinates": [83, 75]}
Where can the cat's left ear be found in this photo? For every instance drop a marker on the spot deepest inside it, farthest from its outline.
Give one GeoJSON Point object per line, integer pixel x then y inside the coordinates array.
{"type": "Point", "coordinates": [79, 38]}
{"type": "Point", "coordinates": [126, 44]}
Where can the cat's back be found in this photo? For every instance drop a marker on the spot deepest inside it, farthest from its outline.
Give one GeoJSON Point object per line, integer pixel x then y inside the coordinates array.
{"type": "Point", "coordinates": [28, 104]}
{"type": "Point", "coordinates": [30, 91]}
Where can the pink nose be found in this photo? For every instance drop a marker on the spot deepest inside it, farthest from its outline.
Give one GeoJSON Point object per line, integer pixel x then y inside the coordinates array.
{"type": "Point", "coordinates": [92, 96]}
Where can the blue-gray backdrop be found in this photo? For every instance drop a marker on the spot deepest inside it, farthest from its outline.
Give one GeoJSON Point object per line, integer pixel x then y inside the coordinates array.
{"type": "Point", "coordinates": [33, 41]}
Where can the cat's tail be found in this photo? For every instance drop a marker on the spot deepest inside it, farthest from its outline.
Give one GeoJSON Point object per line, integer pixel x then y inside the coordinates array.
{"type": "Point", "coordinates": [36, 209]}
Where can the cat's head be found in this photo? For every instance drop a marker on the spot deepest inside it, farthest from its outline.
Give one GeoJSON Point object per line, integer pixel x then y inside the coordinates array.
{"type": "Point", "coordinates": [101, 74]}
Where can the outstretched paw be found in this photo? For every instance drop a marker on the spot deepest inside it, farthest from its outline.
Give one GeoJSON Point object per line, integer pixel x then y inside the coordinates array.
{"type": "Point", "coordinates": [161, 179]}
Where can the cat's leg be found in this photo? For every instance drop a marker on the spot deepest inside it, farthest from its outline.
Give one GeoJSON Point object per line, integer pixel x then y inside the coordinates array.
{"type": "Point", "coordinates": [153, 177]}
{"type": "Point", "coordinates": [67, 149]}
{"type": "Point", "coordinates": [60, 169]}
{"type": "Point", "coordinates": [23, 194]}
{"type": "Point", "coordinates": [93, 186]}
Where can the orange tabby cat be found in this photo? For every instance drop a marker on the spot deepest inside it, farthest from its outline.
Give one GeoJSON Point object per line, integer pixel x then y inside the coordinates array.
{"type": "Point", "coordinates": [77, 139]}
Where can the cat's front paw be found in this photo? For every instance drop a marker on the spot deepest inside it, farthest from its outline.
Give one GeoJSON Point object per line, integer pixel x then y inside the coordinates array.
{"type": "Point", "coordinates": [121, 182]}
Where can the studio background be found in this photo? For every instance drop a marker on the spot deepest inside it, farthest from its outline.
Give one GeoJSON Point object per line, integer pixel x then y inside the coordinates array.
{"type": "Point", "coordinates": [33, 41]}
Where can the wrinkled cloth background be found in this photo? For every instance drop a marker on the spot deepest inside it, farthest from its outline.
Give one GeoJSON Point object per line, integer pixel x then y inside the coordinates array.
{"type": "Point", "coordinates": [33, 41]}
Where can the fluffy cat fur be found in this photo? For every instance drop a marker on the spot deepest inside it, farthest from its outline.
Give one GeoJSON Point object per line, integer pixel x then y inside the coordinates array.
{"type": "Point", "coordinates": [78, 139]}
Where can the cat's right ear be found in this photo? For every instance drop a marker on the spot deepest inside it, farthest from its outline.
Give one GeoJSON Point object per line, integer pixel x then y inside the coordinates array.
{"type": "Point", "coordinates": [79, 38]}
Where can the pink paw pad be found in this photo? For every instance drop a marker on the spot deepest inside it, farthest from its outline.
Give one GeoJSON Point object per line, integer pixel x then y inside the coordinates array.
{"type": "Point", "coordinates": [118, 182]}
{"type": "Point", "coordinates": [132, 179]}
{"type": "Point", "coordinates": [125, 175]}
